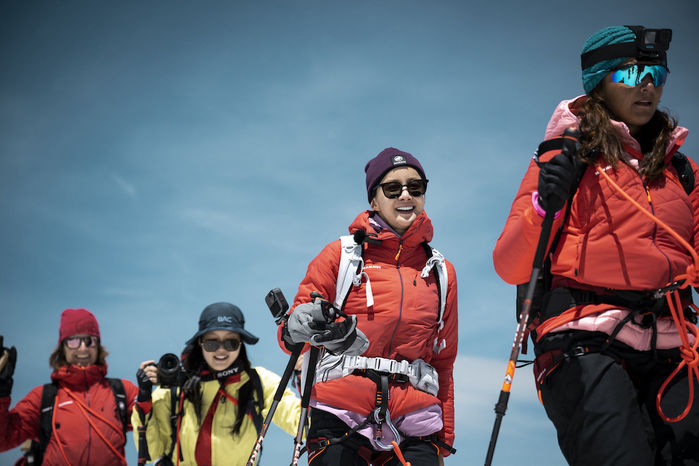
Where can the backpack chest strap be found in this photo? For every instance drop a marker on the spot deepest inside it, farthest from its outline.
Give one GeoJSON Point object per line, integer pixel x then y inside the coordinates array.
{"type": "Point", "coordinates": [420, 374]}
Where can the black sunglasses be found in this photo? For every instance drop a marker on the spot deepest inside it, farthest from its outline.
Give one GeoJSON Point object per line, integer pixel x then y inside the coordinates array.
{"type": "Point", "coordinates": [394, 189]}
{"type": "Point", "coordinates": [213, 345]}
{"type": "Point", "coordinates": [74, 342]}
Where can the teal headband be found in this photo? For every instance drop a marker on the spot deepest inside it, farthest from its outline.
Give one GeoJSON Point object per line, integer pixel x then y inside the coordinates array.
{"type": "Point", "coordinates": [594, 74]}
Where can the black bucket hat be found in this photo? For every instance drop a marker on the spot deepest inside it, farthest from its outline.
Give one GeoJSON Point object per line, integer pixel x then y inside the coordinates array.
{"type": "Point", "coordinates": [223, 316]}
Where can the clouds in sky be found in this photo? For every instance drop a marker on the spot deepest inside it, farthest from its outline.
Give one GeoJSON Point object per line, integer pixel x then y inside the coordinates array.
{"type": "Point", "coordinates": [156, 157]}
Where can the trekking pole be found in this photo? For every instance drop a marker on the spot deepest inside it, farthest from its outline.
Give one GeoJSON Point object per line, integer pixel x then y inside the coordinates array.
{"type": "Point", "coordinates": [305, 401]}
{"type": "Point", "coordinates": [501, 405]}
{"type": "Point", "coordinates": [330, 313]}
{"type": "Point", "coordinates": [252, 460]}
{"type": "Point", "coordinates": [278, 306]}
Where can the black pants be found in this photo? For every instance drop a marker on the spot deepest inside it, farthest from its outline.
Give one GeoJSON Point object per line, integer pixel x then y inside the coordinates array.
{"type": "Point", "coordinates": [603, 408]}
{"type": "Point", "coordinates": [356, 450]}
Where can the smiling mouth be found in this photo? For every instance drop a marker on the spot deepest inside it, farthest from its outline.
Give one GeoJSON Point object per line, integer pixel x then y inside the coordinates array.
{"type": "Point", "coordinates": [405, 209]}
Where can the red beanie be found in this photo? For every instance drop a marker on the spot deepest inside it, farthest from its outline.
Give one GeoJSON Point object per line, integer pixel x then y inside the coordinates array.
{"type": "Point", "coordinates": [77, 322]}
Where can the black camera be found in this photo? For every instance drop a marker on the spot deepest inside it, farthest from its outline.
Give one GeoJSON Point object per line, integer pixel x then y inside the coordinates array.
{"type": "Point", "coordinates": [276, 302]}
{"type": "Point", "coordinates": [170, 371]}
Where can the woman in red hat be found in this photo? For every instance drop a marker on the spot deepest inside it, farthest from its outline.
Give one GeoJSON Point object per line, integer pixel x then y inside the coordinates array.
{"type": "Point", "coordinates": [82, 416]}
{"type": "Point", "coordinates": [384, 386]}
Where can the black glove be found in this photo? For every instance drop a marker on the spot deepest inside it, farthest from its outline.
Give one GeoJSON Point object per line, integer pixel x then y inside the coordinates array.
{"type": "Point", "coordinates": [558, 176]}
{"type": "Point", "coordinates": [8, 370]}
{"type": "Point", "coordinates": [340, 337]}
{"type": "Point", "coordinates": [334, 332]}
{"type": "Point", "coordinates": [145, 386]}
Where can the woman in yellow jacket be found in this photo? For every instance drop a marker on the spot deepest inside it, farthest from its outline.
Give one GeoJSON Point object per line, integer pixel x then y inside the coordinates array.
{"type": "Point", "coordinates": [220, 401]}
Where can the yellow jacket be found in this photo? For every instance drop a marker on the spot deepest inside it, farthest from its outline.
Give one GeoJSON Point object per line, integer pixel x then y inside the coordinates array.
{"type": "Point", "coordinates": [225, 447]}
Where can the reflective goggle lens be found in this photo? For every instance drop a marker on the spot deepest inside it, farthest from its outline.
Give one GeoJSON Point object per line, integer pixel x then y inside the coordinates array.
{"type": "Point", "coordinates": [213, 345]}
{"type": "Point", "coordinates": [393, 189]}
{"type": "Point", "coordinates": [74, 342]}
{"type": "Point", "coordinates": [633, 75]}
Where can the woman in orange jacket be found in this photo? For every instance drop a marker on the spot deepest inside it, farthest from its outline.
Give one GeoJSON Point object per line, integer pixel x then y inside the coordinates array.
{"type": "Point", "coordinates": [605, 336]}
{"type": "Point", "coordinates": [386, 375]}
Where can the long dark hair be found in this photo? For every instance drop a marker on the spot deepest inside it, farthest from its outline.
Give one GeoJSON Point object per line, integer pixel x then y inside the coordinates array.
{"type": "Point", "coordinates": [194, 363]}
{"type": "Point", "coordinates": [599, 139]}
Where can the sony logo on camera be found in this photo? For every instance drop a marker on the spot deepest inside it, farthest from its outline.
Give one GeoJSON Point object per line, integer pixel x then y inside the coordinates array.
{"type": "Point", "coordinates": [226, 319]}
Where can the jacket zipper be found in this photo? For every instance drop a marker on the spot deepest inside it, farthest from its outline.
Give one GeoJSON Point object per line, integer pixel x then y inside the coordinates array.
{"type": "Point", "coordinates": [400, 307]}
{"type": "Point", "coordinates": [400, 279]}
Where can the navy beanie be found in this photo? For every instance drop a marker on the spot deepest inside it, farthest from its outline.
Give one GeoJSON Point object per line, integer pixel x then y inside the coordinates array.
{"type": "Point", "coordinates": [384, 162]}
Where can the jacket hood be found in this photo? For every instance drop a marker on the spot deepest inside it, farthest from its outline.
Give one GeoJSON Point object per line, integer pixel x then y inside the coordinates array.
{"type": "Point", "coordinates": [565, 116]}
{"type": "Point", "coordinates": [420, 231]}
{"type": "Point", "coordinates": [78, 376]}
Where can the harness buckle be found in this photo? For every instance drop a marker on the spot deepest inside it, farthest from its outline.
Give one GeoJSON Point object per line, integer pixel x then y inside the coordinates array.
{"type": "Point", "coordinates": [576, 352]}
{"type": "Point", "coordinates": [648, 319]}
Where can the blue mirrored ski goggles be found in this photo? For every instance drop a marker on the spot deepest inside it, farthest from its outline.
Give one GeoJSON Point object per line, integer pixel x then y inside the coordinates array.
{"type": "Point", "coordinates": [632, 75]}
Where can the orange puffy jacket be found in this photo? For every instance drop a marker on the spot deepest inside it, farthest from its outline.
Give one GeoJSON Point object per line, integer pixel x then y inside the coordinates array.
{"type": "Point", "coordinates": [607, 242]}
{"type": "Point", "coordinates": [402, 324]}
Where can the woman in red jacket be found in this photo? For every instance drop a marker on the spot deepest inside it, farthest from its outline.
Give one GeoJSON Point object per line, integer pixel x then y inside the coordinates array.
{"type": "Point", "coordinates": [606, 339]}
{"type": "Point", "coordinates": [386, 375]}
{"type": "Point", "coordinates": [86, 424]}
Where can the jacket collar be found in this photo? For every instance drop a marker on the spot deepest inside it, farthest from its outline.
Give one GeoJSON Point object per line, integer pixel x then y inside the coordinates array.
{"type": "Point", "coordinates": [565, 116]}
{"type": "Point", "coordinates": [79, 376]}
{"type": "Point", "coordinates": [419, 232]}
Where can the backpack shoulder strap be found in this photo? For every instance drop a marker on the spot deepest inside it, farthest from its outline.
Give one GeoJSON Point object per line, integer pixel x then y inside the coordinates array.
{"type": "Point", "coordinates": [48, 399]}
{"type": "Point", "coordinates": [437, 263]}
{"type": "Point", "coordinates": [351, 271]}
{"type": "Point", "coordinates": [684, 171]}
{"type": "Point", "coordinates": [175, 415]}
{"type": "Point", "coordinates": [117, 387]}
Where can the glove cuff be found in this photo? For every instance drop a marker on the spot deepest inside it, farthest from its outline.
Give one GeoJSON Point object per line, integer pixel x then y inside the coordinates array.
{"type": "Point", "coordinates": [289, 342]}
{"type": "Point", "coordinates": [537, 207]}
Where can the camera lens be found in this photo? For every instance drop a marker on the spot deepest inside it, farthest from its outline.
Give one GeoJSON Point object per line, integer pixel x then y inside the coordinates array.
{"type": "Point", "coordinates": [169, 363]}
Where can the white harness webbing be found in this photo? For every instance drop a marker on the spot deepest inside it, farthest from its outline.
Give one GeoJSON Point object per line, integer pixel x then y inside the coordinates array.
{"type": "Point", "coordinates": [351, 272]}
{"type": "Point", "coordinates": [421, 375]}
{"type": "Point", "coordinates": [438, 260]}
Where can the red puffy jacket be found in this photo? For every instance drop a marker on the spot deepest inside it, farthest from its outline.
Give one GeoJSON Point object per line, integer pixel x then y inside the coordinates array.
{"type": "Point", "coordinates": [83, 424]}
{"type": "Point", "coordinates": [607, 242]}
{"type": "Point", "coordinates": [402, 324]}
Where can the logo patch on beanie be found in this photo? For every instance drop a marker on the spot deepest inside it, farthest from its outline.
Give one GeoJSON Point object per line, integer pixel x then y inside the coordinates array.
{"type": "Point", "coordinates": [398, 160]}
{"type": "Point", "coordinates": [226, 319]}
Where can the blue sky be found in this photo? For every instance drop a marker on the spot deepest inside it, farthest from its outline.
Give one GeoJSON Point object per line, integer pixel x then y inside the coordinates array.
{"type": "Point", "coordinates": [159, 156]}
